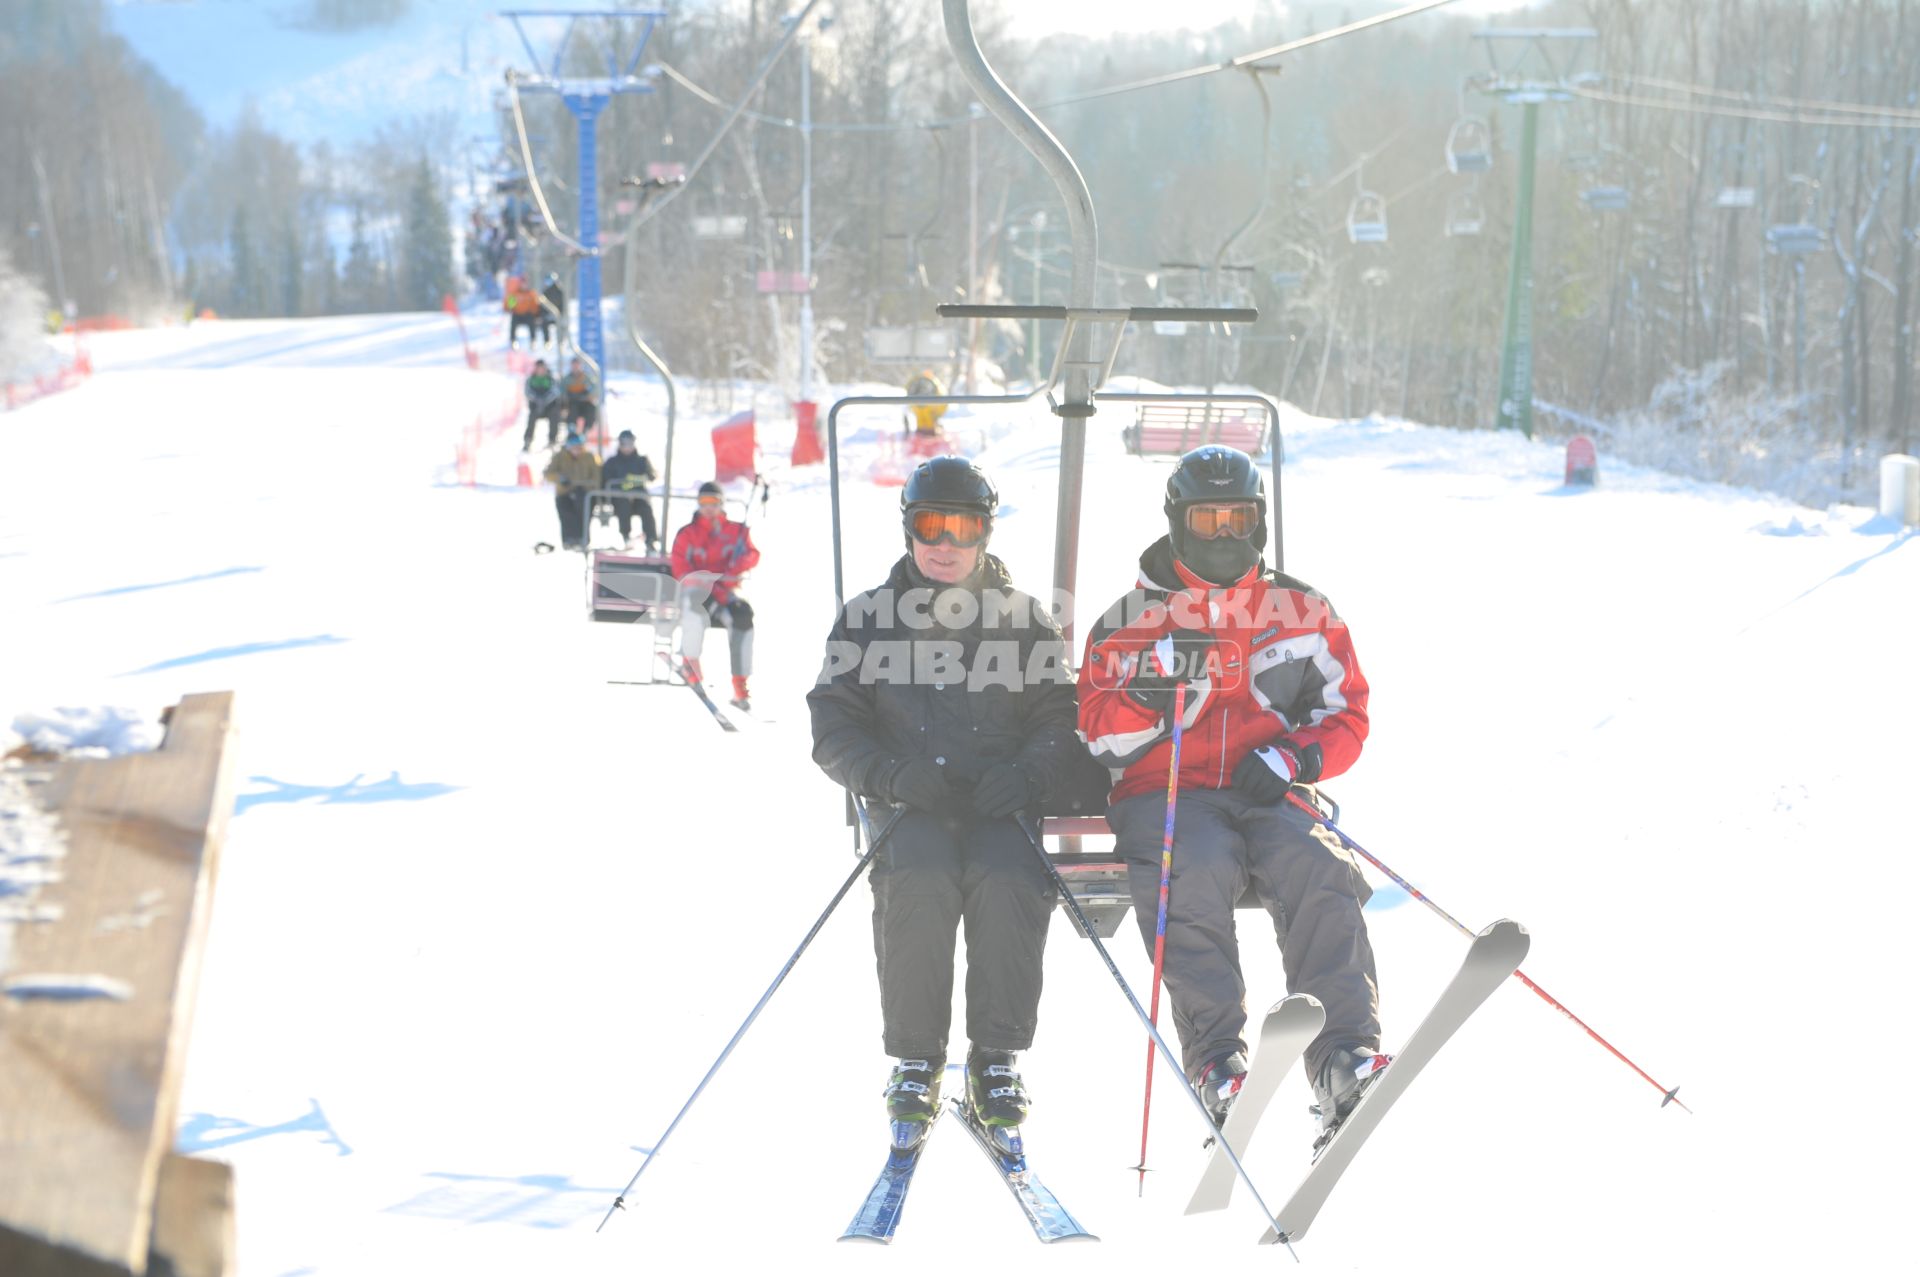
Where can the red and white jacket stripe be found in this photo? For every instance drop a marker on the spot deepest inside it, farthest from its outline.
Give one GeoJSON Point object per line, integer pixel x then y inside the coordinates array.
{"type": "Point", "coordinates": [716, 552]}
{"type": "Point", "coordinates": [1281, 668]}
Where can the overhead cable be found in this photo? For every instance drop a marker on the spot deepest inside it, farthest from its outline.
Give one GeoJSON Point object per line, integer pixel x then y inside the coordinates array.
{"type": "Point", "coordinates": [1738, 113]}
{"type": "Point", "coordinates": [1175, 77]}
{"type": "Point", "coordinates": [1767, 100]}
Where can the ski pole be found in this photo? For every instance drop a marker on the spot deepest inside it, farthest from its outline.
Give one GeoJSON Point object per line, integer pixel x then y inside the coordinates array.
{"type": "Point", "coordinates": [1668, 1095]}
{"type": "Point", "coordinates": [1085, 924]}
{"type": "Point", "coordinates": [1160, 921]}
{"type": "Point", "coordinates": [873, 848]}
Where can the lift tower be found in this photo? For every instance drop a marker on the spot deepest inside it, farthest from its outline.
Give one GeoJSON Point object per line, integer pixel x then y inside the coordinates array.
{"type": "Point", "coordinates": [586, 98]}
{"type": "Point", "coordinates": [1531, 65]}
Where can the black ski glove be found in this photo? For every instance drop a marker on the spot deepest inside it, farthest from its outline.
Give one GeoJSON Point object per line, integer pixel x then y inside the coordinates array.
{"type": "Point", "coordinates": [920, 785]}
{"type": "Point", "coordinates": [1265, 775]}
{"type": "Point", "coordinates": [1003, 790]}
{"type": "Point", "coordinates": [1180, 656]}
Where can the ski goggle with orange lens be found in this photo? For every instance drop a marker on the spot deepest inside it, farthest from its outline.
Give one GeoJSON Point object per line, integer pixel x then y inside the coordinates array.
{"type": "Point", "coordinates": [709, 502]}
{"type": "Point", "coordinates": [963, 527]}
{"type": "Point", "coordinates": [1212, 520]}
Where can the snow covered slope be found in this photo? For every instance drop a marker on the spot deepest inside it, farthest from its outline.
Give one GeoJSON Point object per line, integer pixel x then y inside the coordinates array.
{"type": "Point", "coordinates": [485, 918]}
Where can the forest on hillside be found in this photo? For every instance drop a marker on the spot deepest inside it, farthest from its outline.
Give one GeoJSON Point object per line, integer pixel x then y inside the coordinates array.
{"type": "Point", "coordinates": [1723, 226]}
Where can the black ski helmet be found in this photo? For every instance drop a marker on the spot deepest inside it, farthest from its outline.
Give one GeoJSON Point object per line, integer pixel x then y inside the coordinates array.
{"type": "Point", "coordinates": [626, 436]}
{"type": "Point", "coordinates": [1216, 473]}
{"type": "Point", "coordinates": [709, 489]}
{"type": "Point", "coordinates": [953, 483]}
{"type": "Point", "coordinates": [950, 483]}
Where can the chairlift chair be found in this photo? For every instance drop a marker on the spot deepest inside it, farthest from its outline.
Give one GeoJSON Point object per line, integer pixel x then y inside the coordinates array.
{"type": "Point", "coordinates": [1466, 215]}
{"type": "Point", "coordinates": [1367, 219]}
{"type": "Point", "coordinates": [920, 344]}
{"type": "Point", "coordinates": [719, 225]}
{"type": "Point", "coordinates": [1606, 199]}
{"type": "Point", "coordinates": [1795, 239]}
{"type": "Point", "coordinates": [1469, 146]}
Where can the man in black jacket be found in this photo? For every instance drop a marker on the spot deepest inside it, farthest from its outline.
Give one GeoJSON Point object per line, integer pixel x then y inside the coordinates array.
{"type": "Point", "coordinates": [946, 696]}
{"type": "Point", "coordinates": [628, 471]}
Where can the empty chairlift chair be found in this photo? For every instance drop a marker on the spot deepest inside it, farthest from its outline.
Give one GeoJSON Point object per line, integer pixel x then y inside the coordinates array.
{"type": "Point", "coordinates": [1367, 219]}
{"type": "Point", "coordinates": [1606, 199]}
{"type": "Point", "coordinates": [1469, 146]}
{"type": "Point", "coordinates": [1466, 215]}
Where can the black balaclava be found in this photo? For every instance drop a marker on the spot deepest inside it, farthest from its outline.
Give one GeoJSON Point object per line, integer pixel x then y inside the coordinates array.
{"type": "Point", "coordinates": [1222, 561]}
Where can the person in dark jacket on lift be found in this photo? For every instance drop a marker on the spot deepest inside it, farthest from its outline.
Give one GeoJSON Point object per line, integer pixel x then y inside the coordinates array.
{"type": "Point", "coordinates": [946, 700]}
{"type": "Point", "coordinates": [628, 471]}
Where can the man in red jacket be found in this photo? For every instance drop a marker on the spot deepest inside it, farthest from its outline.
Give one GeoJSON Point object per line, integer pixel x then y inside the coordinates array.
{"type": "Point", "coordinates": [710, 555]}
{"type": "Point", "coordinates": [1274, 697]}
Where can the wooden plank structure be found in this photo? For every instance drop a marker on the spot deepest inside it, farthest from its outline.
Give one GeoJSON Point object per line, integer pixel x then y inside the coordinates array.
{"type": "Point", "coordinates": [96, 1006]}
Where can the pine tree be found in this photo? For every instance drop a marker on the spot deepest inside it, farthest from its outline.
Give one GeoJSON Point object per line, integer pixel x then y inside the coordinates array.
{"type": "Point", "coordinates": [360, 278]}
{"type": "Point", "coordinates": [323, 277]}
{"type": "Point", "coordinates": [427, 244]}
{"type": "Point", "coordinates": [244, 290]}
{"type": "Point", "coordinates": [291, 269]}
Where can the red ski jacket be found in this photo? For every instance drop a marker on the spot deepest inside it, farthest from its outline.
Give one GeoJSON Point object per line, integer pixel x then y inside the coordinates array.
{"type": "Point", "coordinates": [1280, 666]}
{"type": "Point", "coordinates": [719, 547]}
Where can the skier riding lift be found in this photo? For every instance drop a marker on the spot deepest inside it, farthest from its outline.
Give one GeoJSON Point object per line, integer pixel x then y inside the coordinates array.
{"type": "Point", "coordinates": [628, 471]}
{"type": "Point", "coordinates": [543, 400]}
{"type": "Point", "coordinates": [1274, 698]}
{"type": "Point", "coordinates": [946, 700]}
{"type": "Point", "coordinates": [579, 389]}
{"type": "Point", "coordinates": [710, 555]}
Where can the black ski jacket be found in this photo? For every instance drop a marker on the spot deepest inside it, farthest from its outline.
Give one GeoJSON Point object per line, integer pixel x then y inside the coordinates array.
{"type": "Point", "coordinates": [620, 466]}
{"type": "Point", "coordinates": [908, 675]}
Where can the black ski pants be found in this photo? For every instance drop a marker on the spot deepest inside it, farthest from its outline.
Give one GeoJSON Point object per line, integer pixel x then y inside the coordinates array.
{"type": "Point", "coordinates": [572, 505]}
{"type": "Point", "coordinates": [933, 874]}
{"type": "Point", "coordinates": [624, 508]}
{"type": "Point", "coordinates": [582, 411]}
{"type": "Point", "coordinates": [1224, 844]}
{"type": "Point", "coordinates": [535, 411]}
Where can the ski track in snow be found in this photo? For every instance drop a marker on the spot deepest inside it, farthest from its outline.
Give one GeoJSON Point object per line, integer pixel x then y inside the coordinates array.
{"type": "Point", "coordinates": [1662, 723]}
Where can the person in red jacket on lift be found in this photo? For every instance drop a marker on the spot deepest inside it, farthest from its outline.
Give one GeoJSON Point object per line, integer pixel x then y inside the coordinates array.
{"type": "Point", "coordinates": [710, 555]}
{"type": "Point", "coordinates": [1274, 697]}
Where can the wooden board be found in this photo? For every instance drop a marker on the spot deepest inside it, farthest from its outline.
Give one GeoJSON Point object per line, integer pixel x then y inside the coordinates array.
{"type": "Point", "coordinates": [193, 1232]}
{"type": "Point", "coordinates": [89, 1086]}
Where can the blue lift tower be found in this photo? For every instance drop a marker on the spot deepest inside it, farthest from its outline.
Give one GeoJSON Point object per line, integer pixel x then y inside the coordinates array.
{"type": "Point", "coordinates": [586, 98]}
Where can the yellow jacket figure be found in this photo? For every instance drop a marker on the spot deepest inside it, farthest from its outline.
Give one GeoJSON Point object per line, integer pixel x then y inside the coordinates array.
{"type": "Point", "coordinates": [926, 416]}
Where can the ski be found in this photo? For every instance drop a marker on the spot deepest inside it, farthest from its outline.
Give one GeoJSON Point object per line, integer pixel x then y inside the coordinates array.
{"type": "Point", "coordinates": [1495, 954]}
{"type": "Point", "coordinates": [719, 715]}
{"type": "Point", "coordinates": [1051, 1221]}
{"type": "Point", "coordinates": [879, 1215]}
{"type": "Point", "coordinates": [1292, 1023]}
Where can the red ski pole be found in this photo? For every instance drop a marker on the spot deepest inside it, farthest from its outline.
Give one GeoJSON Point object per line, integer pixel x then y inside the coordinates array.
{"type": "Point", "coordinates": [1160, 923]}
{"type": "Point", "coordinates": [1668, 1095]}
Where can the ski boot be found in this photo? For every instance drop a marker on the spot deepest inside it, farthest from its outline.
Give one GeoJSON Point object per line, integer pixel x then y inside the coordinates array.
{"type": "Point", "coordinates": [1340, 1083]}
{"type": "Point", "coordinates": [913, 1099]}
{"type": "Point", "coordinates": [740, 700]}
{"type": "Point", "coordinates": [997, 1100]}
{"type": "Point", "coordinates": [690, 670]}
{"type": "Point", "coordinates": [1219, 1082]}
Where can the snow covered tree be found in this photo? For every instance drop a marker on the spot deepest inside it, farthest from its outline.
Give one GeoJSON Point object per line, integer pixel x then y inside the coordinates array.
{"type": "Point", "coordinates": [23, 311]}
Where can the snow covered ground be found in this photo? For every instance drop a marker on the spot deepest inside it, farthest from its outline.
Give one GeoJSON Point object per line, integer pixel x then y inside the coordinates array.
{"type": "Point", "coordinates": [485, 918]}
